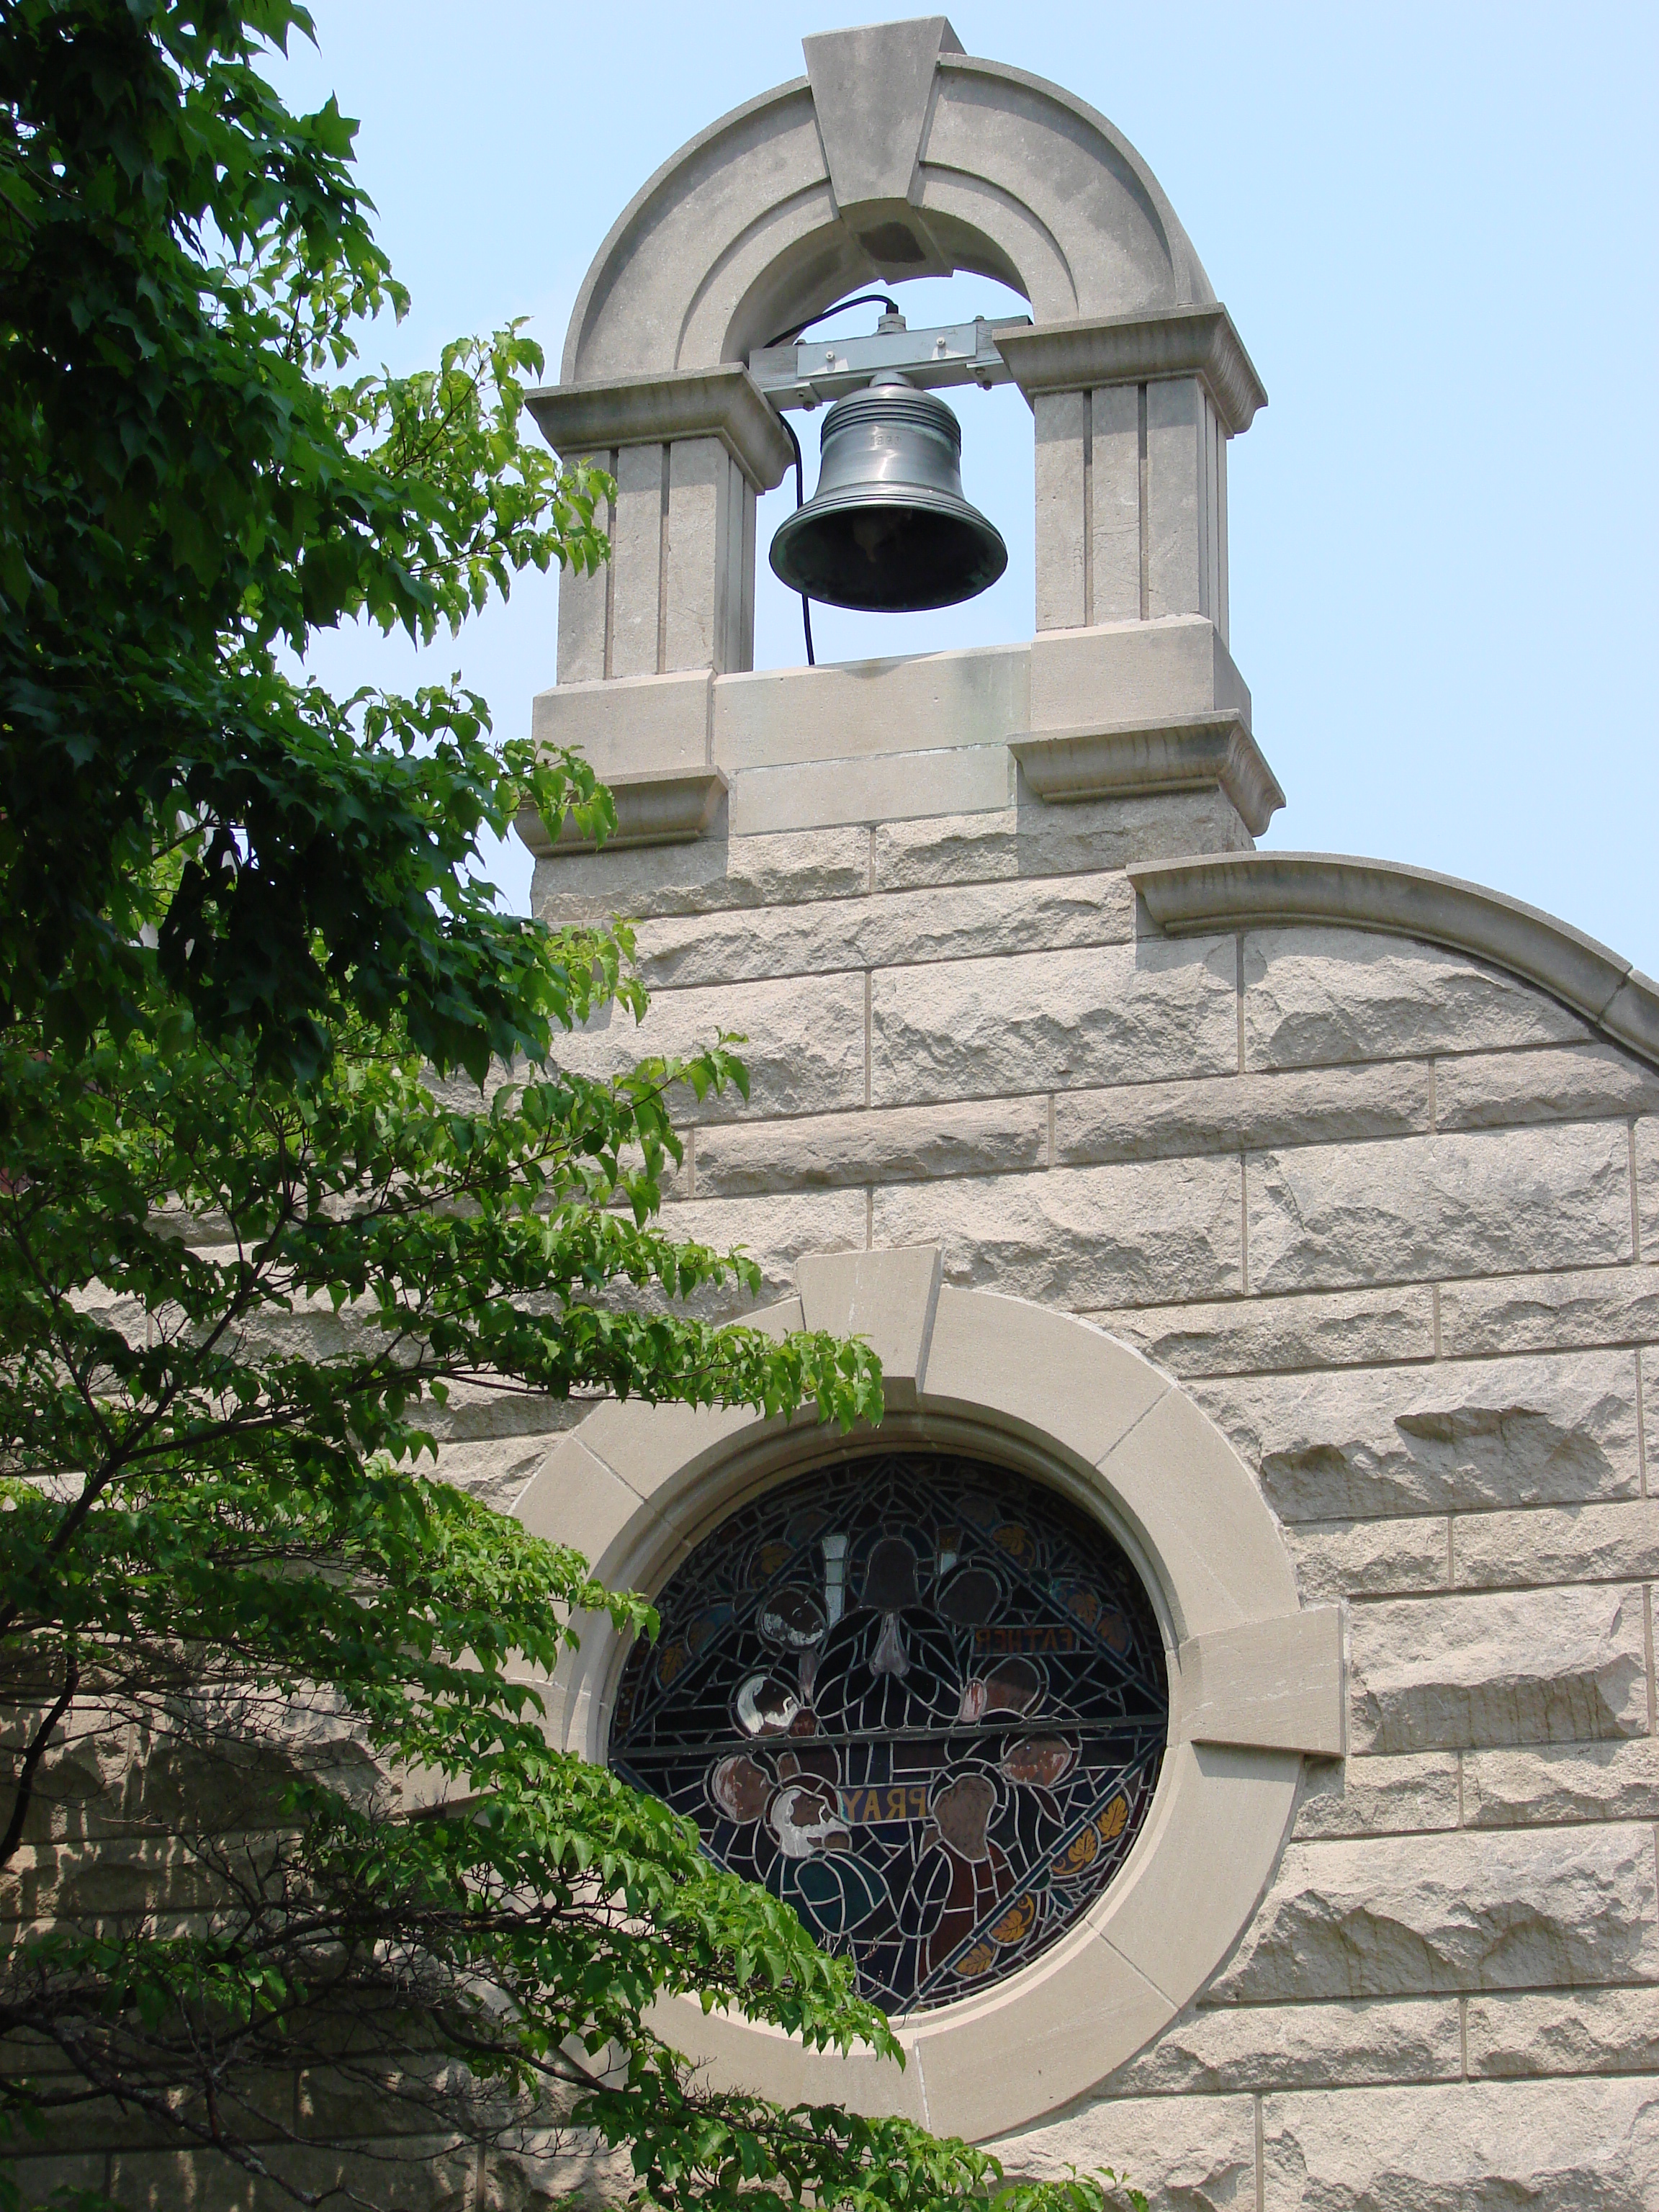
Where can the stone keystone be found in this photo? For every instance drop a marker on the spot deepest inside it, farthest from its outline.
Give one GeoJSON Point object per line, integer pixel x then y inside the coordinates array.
{"type": "Point", "coordinates": [889, 1298]}
{"type": "Point", "coordinates": [872, 89]}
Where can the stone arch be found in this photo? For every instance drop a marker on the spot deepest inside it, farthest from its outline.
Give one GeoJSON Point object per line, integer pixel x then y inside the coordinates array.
{"type": "Point", "coordinates": [896, 156]}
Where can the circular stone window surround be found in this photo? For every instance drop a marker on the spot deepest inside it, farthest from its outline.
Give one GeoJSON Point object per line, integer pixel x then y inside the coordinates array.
{"type": "Point", "coordinates": [1256, 1682]}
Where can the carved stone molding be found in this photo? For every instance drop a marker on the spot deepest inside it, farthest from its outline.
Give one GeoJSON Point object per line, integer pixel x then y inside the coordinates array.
{"type": "Point", "coordinates": [1122, 760]}
{"type": "Point", "coordinates": [583, 420]}
{"type": "Point", "coordinates": [1091, 352]}
{"type": "Point", "coordinates": [1262, 891]}
{"type": "Point", "coordinates": [666, 806]}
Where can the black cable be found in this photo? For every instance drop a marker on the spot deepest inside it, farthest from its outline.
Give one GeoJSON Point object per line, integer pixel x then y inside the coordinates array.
{"type": "Point", "coordinates": [863, 299]}
{"type": "Point", "coordinates": [800, 501]}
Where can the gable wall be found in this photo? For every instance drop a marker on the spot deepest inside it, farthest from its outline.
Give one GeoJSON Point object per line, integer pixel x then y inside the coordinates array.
{"type": "Point", "coordinates": [1392, 1217]}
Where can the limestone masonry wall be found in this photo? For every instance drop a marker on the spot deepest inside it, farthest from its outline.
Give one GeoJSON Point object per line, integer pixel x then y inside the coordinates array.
{"type": "Point", "coordinates": [1392, 1217]}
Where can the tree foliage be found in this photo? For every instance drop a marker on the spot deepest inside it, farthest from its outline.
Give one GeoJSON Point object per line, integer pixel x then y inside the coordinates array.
{"type": "Point", "coordinates": [255, 1248]}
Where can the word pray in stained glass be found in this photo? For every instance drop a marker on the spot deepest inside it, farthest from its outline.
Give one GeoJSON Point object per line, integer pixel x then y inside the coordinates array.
{"type": "Point", "coordinates": [921, 1698]}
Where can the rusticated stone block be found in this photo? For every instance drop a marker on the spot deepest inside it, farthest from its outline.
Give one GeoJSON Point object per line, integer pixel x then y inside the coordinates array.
{"type": "Point", "coordinates": [1570, 1083]}
{"type": "Point", "coordinates": [1565, 2032]}
{"type": "Point", "coordinates": [1215, 2049]}
{"type": "Point", "coordinates": [1367, 1558]}
{"type": "Point", "coordinates": [1078, 1237]}
{"type": "Point", "coordinates": [1317, 995]}
{"type": "Point", "coordinates": [1360, 1796]}
{"type": "Point", "coordinates": [1031, 838]}
{"type": "Point", "coordinates": [1503, 1200]}
{"type": "Point", "coordinates": [899, 1144]}
{"type": "Point", "coordinates": [1539, 1313]}
{"type": "Point", "coordinates": [1536, 1667]}
{"type": "Point", "coordinates": [1645, 1145]}
{"type": "Point", "coordinates": [968, 1029]}
{"type": "Point", "coordinates": [957, 922]}
{"type": "Point", "coordinates": [1256, 1336]}
{"type": "Point", "coordinates": [1465, 2146]}
{"type": "Point", "coordinates": [1417, 1915]}
{"type": "Point", "coordinates": [1612, 1781]}
{"type": "Point", "coordinates": [705, 877]}
{"type": "Point", "coordinates": [1454, 1436]}
{"type": "Point", "coordinates": [493, 1471]}
{"type": "Point", "coordinates": [1187, 2153]}
{"type": "Point", "coordinates": [1142, 1120]}
{"type": "Point", "coordinates": [773, 1231]}
{"type": "Point", "coordinates": [1556, 1544]}
{"type": "Point", "coordinates": [803, 1046]}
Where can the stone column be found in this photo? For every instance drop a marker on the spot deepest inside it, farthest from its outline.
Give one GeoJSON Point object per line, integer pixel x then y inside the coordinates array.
{"type": "Point", "coordinates": [1133, 419]}
{"type": "Point", "coordinates": [688, 452]}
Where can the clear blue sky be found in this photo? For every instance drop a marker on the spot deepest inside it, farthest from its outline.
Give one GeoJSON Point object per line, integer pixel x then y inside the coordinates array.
{"type": "Point", "coordinates": [1434, 228]}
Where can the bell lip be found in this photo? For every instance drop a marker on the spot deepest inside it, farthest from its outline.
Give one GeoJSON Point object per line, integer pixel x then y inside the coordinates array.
{"type": "Point", "coordinates": [918, 500]}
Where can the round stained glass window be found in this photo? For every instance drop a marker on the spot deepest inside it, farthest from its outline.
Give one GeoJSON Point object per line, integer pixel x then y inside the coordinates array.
{"type": "Point", "coordinates": [921, 1698]}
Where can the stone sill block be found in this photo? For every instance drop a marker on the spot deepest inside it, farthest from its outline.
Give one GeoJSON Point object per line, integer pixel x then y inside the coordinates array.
{"type": "Point", "coordinates": [1253, 890]}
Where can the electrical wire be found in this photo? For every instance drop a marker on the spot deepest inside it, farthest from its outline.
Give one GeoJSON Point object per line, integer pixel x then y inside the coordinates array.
{"type": "Point", "coordinates": [863, 299]}
{"type": "Point", "coordinates": [800, 501]}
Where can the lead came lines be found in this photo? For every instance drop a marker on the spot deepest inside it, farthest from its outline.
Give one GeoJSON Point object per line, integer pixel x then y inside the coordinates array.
{"type": "Point", "coordinates": [920, 1697]}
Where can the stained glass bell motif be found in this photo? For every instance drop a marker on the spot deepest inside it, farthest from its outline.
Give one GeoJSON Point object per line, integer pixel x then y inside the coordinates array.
{"type": "Point", "coordinates": [921, 1698]}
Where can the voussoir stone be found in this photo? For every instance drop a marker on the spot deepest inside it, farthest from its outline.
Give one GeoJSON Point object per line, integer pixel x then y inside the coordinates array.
{"type": "Point", "coordinates": [1584, 2146]}
{"type": "Point", "coordinates": [1451, 1435]}
{"type": "Point", "coordinates": [1318, 995]}
{"type": "Point", "coordinates": [1530, 2031]}
{"type": "Point", "coordinates": [1076, 1238]}
{"type": "Point", "coordinates": [1111, 1013]}
{"type": "Point", "coordinates": [1616, 1780]}
{"type": "Point", "coordinates": [1491, 1202]}
{"type": "Point", "coordinates": [1549, 1666]}
{"type": "Point", "coordinates": [1417, 1915]}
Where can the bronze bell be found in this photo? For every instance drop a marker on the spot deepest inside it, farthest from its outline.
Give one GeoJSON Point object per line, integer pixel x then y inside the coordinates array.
{"type": "Point", "coordinates": [888, 529]}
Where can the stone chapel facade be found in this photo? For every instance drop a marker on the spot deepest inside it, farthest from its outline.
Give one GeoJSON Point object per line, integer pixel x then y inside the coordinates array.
{"type": "Point", "coordinates": [1294, 1219]}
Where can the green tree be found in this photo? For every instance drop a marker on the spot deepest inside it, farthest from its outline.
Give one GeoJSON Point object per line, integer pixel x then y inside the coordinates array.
{"type": "Point", "coordinates": [287, 1157]}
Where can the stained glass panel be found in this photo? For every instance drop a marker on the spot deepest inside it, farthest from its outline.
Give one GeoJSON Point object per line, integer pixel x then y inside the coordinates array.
{"type": "Point", "coordinates": [920, 1697]}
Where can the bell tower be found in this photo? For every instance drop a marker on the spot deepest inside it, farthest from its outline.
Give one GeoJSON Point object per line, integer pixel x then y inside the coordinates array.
{"type": "Point", "coordinates": [899, 155]}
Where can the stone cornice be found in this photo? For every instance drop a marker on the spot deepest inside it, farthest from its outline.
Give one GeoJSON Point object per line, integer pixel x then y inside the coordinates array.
{"type": "Point", "coordinates": [1083, 356]}
{"type": "Point", "coordinates": [657, 806]}
{"type": "Point", "coordinates": [584, 421]}
{"type": "Point", "coordinates": [1125, 760]}
{"type": "Point", "coordinates": [1259, 891]}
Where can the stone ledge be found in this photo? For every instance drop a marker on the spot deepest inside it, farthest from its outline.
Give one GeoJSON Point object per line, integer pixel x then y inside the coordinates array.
{"type": "Point", "coordinates": [1253, 890]}
{"type": "Point", "coordinates": [659, 806]}
{"type": "Point", "coordinates": [579, 420]}
{"type": "Point", "coordinates": [1081, 355]}
{"type": "Point", "coordinates": [1123, 760]}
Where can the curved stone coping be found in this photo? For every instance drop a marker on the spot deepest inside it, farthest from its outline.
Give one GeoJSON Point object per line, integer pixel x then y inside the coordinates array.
{"type": "Point", "coordinates": [1083, 354]}
{"type": "Point", "coordinates": [579, 420]}
{"type": "Point", "coordinates": [1122, 760]}
{"type": "Point", "coordinates": [1260, 890]}
{"type": "Point", "coordinates": [1254, 1681]}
